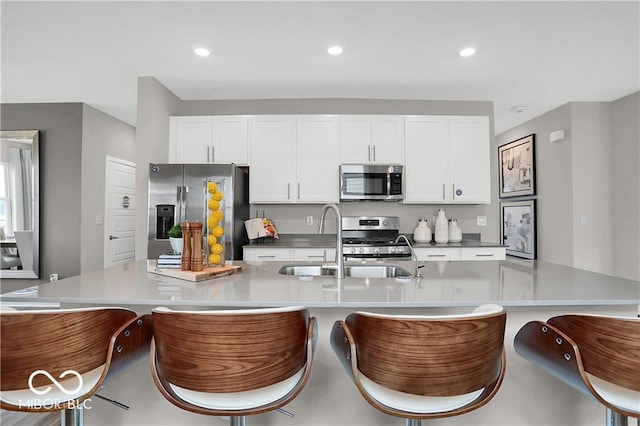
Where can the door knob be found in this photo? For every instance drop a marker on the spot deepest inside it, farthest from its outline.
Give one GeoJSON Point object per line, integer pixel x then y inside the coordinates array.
{"type": "Point", "coordinates": [111, 237]}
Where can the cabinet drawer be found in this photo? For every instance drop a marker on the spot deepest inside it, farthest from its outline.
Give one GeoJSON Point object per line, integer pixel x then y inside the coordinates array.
{"type": "Point", "coordinates": [438, 253]}
{"type": "Point", "coordinates": [487, 253]}
{"type": "Point", "coordinates": [266, 254]}
{"type": "Point", "coordinates": [315, 254]}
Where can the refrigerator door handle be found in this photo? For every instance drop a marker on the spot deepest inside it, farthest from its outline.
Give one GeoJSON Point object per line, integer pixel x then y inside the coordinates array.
{"type": "Point", "coordinates": [185, 192]}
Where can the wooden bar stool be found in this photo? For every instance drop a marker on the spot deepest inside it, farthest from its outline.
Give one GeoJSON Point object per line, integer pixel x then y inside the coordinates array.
{"type": "Point", "coordinates": [424, 367]}
{"type": "Point", "coordinates": [232, 362]}
{"type": "Point", "coordinates": [55, 360]}
{"type": "Point", "coordinates": [597, 355]}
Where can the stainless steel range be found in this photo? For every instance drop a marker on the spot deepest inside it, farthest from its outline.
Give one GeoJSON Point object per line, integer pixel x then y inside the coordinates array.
{"type": "Point", "coordinates": [372, 237]}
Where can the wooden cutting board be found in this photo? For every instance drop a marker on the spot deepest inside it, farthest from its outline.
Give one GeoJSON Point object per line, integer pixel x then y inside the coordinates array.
{"type": "Point", "coordinates": [205, 274]}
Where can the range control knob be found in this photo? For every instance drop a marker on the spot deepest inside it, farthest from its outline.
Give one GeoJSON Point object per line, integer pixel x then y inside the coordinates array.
{"type": "Point", "coordinates": [353, 250]}
{"type": "Point", "coordinates": [361, 250]}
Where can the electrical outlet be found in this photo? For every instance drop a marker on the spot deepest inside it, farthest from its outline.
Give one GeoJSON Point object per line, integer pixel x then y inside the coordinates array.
{"type": "Point", "coordinates": [310, 220]}
{"type": "Point", "coordinates": [481, 220]}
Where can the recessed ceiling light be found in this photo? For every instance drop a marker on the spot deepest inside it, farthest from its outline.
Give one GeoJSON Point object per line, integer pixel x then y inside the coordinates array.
{"type": "Point", "coordinates": [201, 51]}
{"type": "Point", "coordinates": [519, 108]}
{"type": "Point", "coordinates": [467, 51]}
{"type": "Point", "coordinates": [335, 50]}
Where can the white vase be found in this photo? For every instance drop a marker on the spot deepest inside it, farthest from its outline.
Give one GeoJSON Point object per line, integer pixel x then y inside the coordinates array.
{"type": "Point", "coordinates": [455, 233]}
{"type": "Point", "coordinates": [442, 228]}
{"type": "Point", "coordinates": [176, 245]}
{"type": "Point", "coordinates": [422, 232]}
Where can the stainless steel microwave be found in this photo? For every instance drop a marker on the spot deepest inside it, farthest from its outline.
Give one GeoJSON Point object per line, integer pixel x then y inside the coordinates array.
{"type": "Point", "coordinates": [371, 182]}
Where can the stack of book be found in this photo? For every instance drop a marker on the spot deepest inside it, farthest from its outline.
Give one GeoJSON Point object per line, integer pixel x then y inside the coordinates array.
{"type": "Point", "coordinates": [169, 261]}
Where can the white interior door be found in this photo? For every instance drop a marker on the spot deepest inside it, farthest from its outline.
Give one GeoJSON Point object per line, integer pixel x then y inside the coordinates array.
{"type": "Point", "coordinates": [120, 211]}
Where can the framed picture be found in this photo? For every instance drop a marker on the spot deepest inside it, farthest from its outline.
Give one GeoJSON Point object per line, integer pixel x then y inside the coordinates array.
{"type": "Point", "coordinates": [518, 230]}
{"type": "Point", "coordinates": [517, 168]}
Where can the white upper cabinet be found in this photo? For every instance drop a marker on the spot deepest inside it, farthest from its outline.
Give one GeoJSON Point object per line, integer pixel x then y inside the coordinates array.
{"type": "Point", "coordinates": [447, 160]}
{"type": "Point", "coordinates": [371, 139]}
{"type": "Point", "coordinates": [271, 163]}
{"type": "Point", "coordinates": [294, 159]}
{"type": "Point", "coordinates": [209, 139]}
{"type": "Point", "coordinates": [317, 159]}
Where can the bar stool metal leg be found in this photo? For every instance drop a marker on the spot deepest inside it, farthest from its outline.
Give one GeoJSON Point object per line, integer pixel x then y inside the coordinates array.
{"type": "Point", "coordinates": [413, 422]}
{"type": "Point", "coordinates": [72, 417]}
{"type": "Point", "coordinates": [237, 421]}
{"type": "Point", "coordinates": [615, 418]}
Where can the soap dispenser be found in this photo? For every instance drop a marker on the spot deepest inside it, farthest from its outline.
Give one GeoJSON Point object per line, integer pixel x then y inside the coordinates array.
{"type": "Point", "coordinates": [422, 233]}
{"type": "Point", "coordinates": [442, 228]}
{"type": "Point", "coordinates": [455, 233]}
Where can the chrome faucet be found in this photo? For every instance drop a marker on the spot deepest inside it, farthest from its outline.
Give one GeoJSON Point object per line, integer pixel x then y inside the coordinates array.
{"type": "Point", "coordinates": [418, 273]}
{"type": "Point", "coordinates": [338, 265]}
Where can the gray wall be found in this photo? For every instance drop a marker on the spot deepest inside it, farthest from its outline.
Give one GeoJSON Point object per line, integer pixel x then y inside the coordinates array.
{"type": "Point", "coordinates": [625, 212]}
{"type": "Point", "coordinates": [74, 140]}
{"type": "Point", "coordinates": [102, 135]}
{"type": "Point", "coordinates": [156, 104]}
{"type": "Point", "coordinates": [588, 185]}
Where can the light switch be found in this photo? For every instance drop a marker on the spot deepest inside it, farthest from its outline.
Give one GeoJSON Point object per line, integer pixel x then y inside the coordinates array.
{"type": "Point", "coordinates": [584, 220]}
{"type": "Point", "coordinates": [481, 220]}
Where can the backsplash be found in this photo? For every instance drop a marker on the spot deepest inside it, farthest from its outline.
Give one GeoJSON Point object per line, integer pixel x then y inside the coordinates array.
{"type": "Point", "coordinates": [292, 219]}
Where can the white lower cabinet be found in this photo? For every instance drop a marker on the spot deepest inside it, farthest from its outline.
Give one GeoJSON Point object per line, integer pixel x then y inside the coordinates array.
{"type": "Point", "coordinates": [314, 254]}
{"type": "Point", "coordinates": [486, 253]}
{"type": "Point", "coordinates": [426, 254]}
{"type": "Point", "coordinates": [438, 253]}
{"type": "Point", "coordinates": [278, 254]}
{"type": "Point", "coordinates": [266, 254]}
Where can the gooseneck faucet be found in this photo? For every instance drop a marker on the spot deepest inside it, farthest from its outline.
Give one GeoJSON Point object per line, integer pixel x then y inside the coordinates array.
{"type": "Point", "coordinates": [338, 265]}
{"type": "Point", "coordinates": [418, 273]}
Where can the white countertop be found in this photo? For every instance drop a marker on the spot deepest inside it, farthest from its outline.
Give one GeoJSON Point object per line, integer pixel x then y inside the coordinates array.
{"type": "Point", "coordinates": [445, 284]}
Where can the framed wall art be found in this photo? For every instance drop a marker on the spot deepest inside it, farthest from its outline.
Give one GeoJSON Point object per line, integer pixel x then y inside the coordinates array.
{"type": "Point", "coordinates": [518, 229]}
{"type": "Point", "coordinates": [517, 167]}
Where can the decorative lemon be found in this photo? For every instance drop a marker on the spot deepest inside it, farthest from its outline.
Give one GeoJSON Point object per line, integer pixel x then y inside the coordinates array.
{"type": "Point", "coordinates": [213, 204]}
{"type": "Point", "coordinates": [218, 231]}
{"type": "Point", "coordinates": [218, 215]}
{"type": "Point", "coordinates": [212, 187]}
{"type": "Point", "coordinates": [212, 240]}
{"type": "Point", "coordinates": [217, 196]}
{"type": "Point", "coordinates": [212, 221]}
{"type": "Point", "coordinates": [214, 259]}
{"type": "Point", "coordinates": [217, 248]}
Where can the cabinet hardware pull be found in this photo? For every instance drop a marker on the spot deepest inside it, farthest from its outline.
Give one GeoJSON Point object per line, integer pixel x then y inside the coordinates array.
{"type": "Point", "coordinates": [368, 152]}
{"type": "Point", "coordinates": [436, 255]}
{"type": "Point", "coordinates": [374, 153]}
{"type": "Point", "coordinates": [453, 191]}
{"type": "Point", "coordinates": [288, 191]}
{"type": "Point", "coordinates": [264, 255]}
{"type": "Point", "coordinates": [443, 192]}
{"type": "Point", "coordinates": [213, 154]}
{"type": "Point", "coordinates": [298, 190]}
{"type": "Point", "coordinates": [208, 154]}
{"type": "Point", "coordinates": [484, 255]}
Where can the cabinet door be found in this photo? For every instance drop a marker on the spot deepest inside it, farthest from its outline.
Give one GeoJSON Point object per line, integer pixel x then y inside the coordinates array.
{"type": "Point", "coordinates": [426, 159]}
{"type": "Point", "coordinates": [272, 159]}
{"type": "Point", "coordinates": [437, 253]}
{"type": "Point", "coordinates": [386, 139]}
{"type": "Point", "coordinates": [230, 140]}
{"type": "Point", "coordinates": [317, 159]}
{"type": "Point", "coordinates": [355, 139]}
{"type": "Point", "coordinates": [470, 170]}
{"type": "Point", "coordinates": [190, 139]}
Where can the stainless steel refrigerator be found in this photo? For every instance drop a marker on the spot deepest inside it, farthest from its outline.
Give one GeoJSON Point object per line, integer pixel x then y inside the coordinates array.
{"type": "Point", "coordinates": [178, 192]}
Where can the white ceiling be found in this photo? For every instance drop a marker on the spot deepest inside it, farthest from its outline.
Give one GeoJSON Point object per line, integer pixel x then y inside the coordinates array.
{"type": "Point", "coordinates": [536, 54]}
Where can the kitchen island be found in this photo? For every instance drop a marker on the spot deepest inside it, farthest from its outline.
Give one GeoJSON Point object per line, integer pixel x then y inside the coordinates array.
{"type": "Point", "coordinates": [529, 289]}
{"type": "Point", "coordinates": [510, 283]}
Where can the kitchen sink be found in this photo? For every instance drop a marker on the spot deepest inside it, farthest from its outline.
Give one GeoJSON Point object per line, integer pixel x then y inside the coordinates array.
{"type": "Point", "coordinates": [354, 271]}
